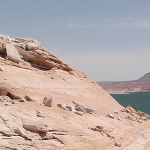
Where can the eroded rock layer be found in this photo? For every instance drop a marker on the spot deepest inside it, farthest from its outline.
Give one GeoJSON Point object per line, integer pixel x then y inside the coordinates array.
{"type": "Point", "coordinates": [46, 104]}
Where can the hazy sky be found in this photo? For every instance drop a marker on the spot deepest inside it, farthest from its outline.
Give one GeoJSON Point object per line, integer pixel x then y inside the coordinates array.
{"type": "Point", "coordinates": [109, 40]}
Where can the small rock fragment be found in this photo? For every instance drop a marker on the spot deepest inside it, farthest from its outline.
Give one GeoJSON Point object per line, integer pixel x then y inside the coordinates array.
{"type": "Point", "coordinates": [71, 108]}
{"type": "Point", "coordinates": [83, 107]}
{"type": "Point", "coordinates": [106, 131]}
{"type": "Point", "coordinates": [100, 127]}
{"type": "Point", "coordinates": [48, 101]}
{"type": "Point", "coordinates": [22, 100]}
{"type": "Point", "coordinates": [63, 106]}
{"type": "Point", "coordinates": [28, 98]}
{"type": "Point", "coordinates": [8, 104]}
{"type": "Point", "coordinates": [139, 121]}
{"type": "Point", "coordinates": [46, 136]}
{"type": "Point", "coordinates": [131, 118]}
{"type": "Point", "coordinates": [40, 113]}
{"type": "Point", "coordinates": [110, 136]}
{"type": "Point", "coordinates": [79, 108]}
{"type": "Point", "coordinates": [59, 105]}
{"type": "Point", "coordinates": [118, 144]}
{"type": "Point", "coordinates": [110, 116]}
{"type": "Point", "coordinates": [119, 118]}
{"type": "Point", "coordinates": [144, 118]}
{"type": "Point", "coordinates": [12, 53]}
{"type": "Point", "coordinates": [6, 98]}
{"type": "Point", "coordinates": [79, 113]}
{"type": "Point", "coordinates": [15, 102]}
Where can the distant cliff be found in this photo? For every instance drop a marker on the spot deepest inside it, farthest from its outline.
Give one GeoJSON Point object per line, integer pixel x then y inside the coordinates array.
{"type": "Point", "coordinates": [140, 85]}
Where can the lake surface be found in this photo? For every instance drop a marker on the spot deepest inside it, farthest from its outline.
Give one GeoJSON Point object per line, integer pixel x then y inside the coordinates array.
{"type": "Point", "coordinates": [139, 101]}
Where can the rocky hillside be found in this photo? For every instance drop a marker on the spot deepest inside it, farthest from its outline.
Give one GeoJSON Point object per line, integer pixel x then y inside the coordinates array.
{"type": "Point", "coordinates": [140, 85]}
{"type": "Point", "coordinates": [46, 104]}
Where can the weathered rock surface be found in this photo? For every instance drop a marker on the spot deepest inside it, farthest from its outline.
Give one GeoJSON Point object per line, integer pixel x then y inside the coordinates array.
{"type": "Point", "coordinates": [28, 74]}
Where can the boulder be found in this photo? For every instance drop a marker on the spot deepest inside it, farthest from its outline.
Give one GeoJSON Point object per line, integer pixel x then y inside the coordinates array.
{"type": "Point", "coordinates": [83, 107]}
{"type": "Point", "coordinates": [34, 126]}
{"type": "Point", "coordinates": [48, 101]}
{"type": "Point", "coordinates": [71, 108]}
{"type": "Point", "coordinates": [79, 108]}
{"type": "Point", "coordinates": [32, 46]}
{"type": "Point", "coordinates": [12, 53]}
{"type": "Point", "coordinates": [63, 106]}
{"type": "Point", "coordinates": [110, 116]}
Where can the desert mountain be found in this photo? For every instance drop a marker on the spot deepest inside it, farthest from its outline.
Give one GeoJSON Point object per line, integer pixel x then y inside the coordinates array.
{"type": "Point", "coordinates": [140, 85]}
{"type": "Point", "coordinates": [145, 78]}
{"type": "Point", "coordinates": [46, 104]}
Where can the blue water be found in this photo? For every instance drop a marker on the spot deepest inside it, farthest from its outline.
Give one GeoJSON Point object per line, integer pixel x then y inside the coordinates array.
{"type": "Point", "coordinates": [139, 101]}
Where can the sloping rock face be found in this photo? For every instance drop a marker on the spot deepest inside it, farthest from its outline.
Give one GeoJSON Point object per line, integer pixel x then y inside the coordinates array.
{"type": "Point", "coordinates": [30, 70]}
{"type": "Point", "coordinates": [28, 74]}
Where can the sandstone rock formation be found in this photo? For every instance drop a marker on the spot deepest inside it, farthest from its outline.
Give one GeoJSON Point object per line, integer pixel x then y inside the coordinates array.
{"type": "Point", "coordinates": [28, 74]}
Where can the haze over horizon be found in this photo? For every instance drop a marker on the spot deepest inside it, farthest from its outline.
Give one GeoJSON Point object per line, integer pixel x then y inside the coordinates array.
{"type": "Point", "coordinates": [108, 40]}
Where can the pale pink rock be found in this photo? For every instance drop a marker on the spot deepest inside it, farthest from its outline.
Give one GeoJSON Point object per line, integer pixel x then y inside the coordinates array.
{"type": "Point", "coordinates": [49, 101]}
